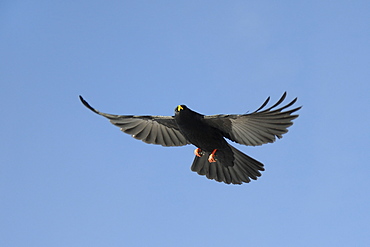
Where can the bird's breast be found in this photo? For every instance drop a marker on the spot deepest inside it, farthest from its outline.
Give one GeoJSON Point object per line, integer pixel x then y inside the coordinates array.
{"type": "Point", "coordinates": [202, 135]}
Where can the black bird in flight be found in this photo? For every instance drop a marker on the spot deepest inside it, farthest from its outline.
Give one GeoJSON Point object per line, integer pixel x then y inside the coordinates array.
{"type": "Point", "coordinates": [214, 157]}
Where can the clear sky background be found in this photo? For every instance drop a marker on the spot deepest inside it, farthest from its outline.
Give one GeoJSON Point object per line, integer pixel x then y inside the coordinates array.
{"type": "Point", "coordinates": [70, 178]}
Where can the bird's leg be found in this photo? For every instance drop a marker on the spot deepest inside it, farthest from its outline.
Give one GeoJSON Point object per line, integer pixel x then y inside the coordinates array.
{"type": "Point", "coordinates": [212, 156]}
{"type": "Point", "coordinates": [198, 152]}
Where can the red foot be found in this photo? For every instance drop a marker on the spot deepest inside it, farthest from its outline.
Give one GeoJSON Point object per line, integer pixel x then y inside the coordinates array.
{"type": "Point", "coordinates": [197, 152]}
{"type": "Point", "coordinates": [212, 156]}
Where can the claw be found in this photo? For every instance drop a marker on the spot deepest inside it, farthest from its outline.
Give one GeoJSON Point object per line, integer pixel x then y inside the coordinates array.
{"type": "Point", "coordinates": [198, 152]}
{"type": "Point", "coordinates": [212, 156]}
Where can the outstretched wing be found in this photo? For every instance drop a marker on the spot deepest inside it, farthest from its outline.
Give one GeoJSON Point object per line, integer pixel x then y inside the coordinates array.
{"type": "Point", "coordinates": [258, 127]}
{"type": "Point", "coordinates": [160, 130]}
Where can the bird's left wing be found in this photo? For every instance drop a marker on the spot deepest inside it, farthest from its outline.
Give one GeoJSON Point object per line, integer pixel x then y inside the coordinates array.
{"type": "Point", "coordinates": [258, 127]}
{"type": "Point", "coordinates": [160, 130]}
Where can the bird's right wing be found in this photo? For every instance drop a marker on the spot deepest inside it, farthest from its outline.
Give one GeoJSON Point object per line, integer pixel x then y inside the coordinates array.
{"type": "Point", "coordinates": [258, 127]}
{"type": "Point", "coordinates": [161, 130]}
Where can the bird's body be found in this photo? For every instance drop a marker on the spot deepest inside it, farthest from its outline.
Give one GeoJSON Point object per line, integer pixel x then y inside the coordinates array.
{"type": "Point", "coordinates": [205, 137]}
{"type": "Point", "coordinates": [215, 157]}
{"type": "Point", "coordinates": [196, 131]}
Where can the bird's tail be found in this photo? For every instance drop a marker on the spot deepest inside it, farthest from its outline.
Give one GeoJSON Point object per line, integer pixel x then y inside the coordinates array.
{"type": "Point", "coordinates": [244, 168]}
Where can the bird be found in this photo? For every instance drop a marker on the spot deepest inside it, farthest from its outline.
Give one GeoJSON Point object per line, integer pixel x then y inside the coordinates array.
{"type": "Point", "coordinates": [215, 157]}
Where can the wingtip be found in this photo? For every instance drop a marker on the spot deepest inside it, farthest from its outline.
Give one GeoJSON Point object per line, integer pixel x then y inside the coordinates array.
{"type": "Point", "coordinates": [82, 99]}
{"type": "Point", "coordinates": [84, 102]}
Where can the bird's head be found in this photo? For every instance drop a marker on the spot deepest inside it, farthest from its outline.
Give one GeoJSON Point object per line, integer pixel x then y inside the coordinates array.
{"type": "Point", "coordinates": [180, 108]}
{"type": "Point", "coordinates": [184, 112]}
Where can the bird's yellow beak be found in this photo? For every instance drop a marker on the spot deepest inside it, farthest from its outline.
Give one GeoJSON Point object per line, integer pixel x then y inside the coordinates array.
{"type": "Point", "coordinates": [179, 108]}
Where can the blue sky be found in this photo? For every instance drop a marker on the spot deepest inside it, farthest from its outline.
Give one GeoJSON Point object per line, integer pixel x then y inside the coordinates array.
{"type": "Point", "coordinates": [70, 178]}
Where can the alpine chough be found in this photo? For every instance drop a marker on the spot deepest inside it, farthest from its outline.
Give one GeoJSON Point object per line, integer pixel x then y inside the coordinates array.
{"type": "Point", "coordinates": [214, 156]}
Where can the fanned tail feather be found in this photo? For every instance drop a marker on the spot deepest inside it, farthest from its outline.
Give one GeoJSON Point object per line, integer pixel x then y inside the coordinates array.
{"type": "Point", "coordinates": [244, 168]}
